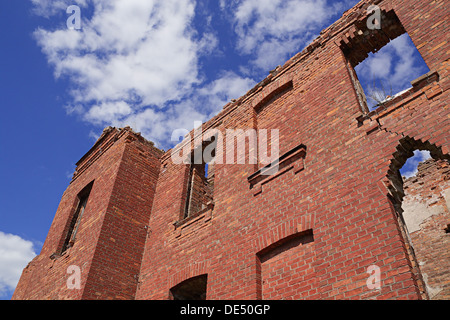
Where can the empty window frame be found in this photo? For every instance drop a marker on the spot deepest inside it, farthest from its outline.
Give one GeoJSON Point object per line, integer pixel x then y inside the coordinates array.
{"type": "Point", "coordinates": [200, 187]}
{"type": "Point", "coordinates": [382, 61]}
{"type": "Point", "coordinates": [74, 223]}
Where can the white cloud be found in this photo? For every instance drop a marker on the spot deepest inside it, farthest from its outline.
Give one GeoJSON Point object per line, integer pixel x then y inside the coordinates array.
{"type": "Point", "coordinates": [407, 68]}
{"type": "Point", "coordinates": [127, 48]}
{"type": "Point", "coordinates": [15, 254]}
{"type": "Point", "coordinates": [274, 52]}
{"type": "Point", "coordinates": [410, 167]}
{"type": "Point", "coordinates": [222, 4]}
{"type": "Point", "coordinates": [380, 65]}
{"type": "Point", "coordinates": [274, 29]}
{"type": "Point", "coordinates": [108, 112]}
{"type": "Point", "coordinates": [394, 66]}
{"type": "Point", "coordinates": [201, 105]}
{"type": "Point", "coordinates": [47, 8]}
{"type": "Point", "coordinates": [137, 63]}
{"type": "Point", "coordinates": [219, 92]}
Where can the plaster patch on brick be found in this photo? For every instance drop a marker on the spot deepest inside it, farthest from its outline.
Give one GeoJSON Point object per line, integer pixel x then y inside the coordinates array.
{"type": "Point", "coordinates": [426, 215]}
{"type": "Point", "coordinates": [415, 213]}
{"type": "Point", "coordinates": [446, 195]}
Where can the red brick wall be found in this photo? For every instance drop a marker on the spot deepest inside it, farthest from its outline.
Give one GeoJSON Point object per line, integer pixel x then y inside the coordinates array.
{"type": "Point", "coordinates": [277, 279]}
{"type": "Point", "coordinates": [346, 190]}
{"type": "Point", "coordinates": [111, 234]}
{"type": "Point", "coordinates": [344, 185]}
{"type": "Point", "coordinates": [117, 258]}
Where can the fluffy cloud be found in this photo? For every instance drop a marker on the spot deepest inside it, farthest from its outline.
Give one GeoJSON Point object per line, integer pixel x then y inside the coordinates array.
{"type": "Point", "coordinates": [47, 8]}
{"type": "Point", "coordinates": [137, 63]}
{"type": "Point", "coordinates": [410, 167]}
{"type": "Point", "coordinates": [128, 49]}
{"type": "Point", "coordinates": [15, 253]}
{"type": "Point", "coordinates": [408, 67]}
{"type": "Point", "coordinates": [392, 67]}
{"type": "Point", "coordinates": [272, 30]}
{"type": "Point", "coordinates": [220, 91]}
{"type": "Point", "coordinates": [380, 65]}
{"type": "Point", "coordinates": [202, 104]}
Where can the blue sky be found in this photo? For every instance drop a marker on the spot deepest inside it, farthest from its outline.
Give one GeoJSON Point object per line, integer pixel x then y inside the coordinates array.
{"type": "Point", "coordinates": [391, 69]}
{"type": "Point", "coordinates": [154, 65]}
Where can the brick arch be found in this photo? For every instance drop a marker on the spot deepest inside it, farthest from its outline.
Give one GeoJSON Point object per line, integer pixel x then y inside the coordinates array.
{"type": "Point", "coordinates": [405, 149]}
{"type": "Point", "coordinates": [190, 271]}
{"type": "Point", "coordinates": [284, 230]}
{"type": "Point", "coordinates": [280, 240]}
{"type": "Point", "coordinates": [394, 183]}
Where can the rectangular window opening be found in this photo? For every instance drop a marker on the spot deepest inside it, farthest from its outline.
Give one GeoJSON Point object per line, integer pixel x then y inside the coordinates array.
{"type": "Point", "coordinates": [82, 197]}
{"type": "Point", "coordinates": [200, 187]}
{"type": "Point", "coordinates": [382, 62]}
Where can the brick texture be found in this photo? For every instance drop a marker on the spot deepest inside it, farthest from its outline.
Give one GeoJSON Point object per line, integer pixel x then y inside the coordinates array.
{"type": "Point", "coordinates": [110, 239]}
{"type": "Point", "coordinates": [312, 230]}
{"type": "Point", "coordinates": [427, 214]}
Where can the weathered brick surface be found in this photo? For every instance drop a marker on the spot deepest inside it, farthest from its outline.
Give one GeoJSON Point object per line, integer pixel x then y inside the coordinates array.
{"type": "Point", "coordinates": [427, 215]}
{"type": "Point", "coordinates": [111, 235]}
{"type": "Point", "coordinates": [309, 232]}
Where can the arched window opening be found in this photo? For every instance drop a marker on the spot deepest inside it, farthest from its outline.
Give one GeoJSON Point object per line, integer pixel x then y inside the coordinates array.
{"type": "Point", "coordinates": [420, 193]}
{"type": "Point", "coordinates": [190, 289]}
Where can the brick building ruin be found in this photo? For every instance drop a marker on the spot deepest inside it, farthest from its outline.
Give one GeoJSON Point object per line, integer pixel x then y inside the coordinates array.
{"type": "Point", "coordinates": [139, 226]}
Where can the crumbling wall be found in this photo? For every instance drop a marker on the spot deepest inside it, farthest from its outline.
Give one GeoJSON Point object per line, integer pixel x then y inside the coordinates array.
{"type": "Point", "coordinates": [312, 230]}
{"type": "Point", "coordinates": [426, 213]}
